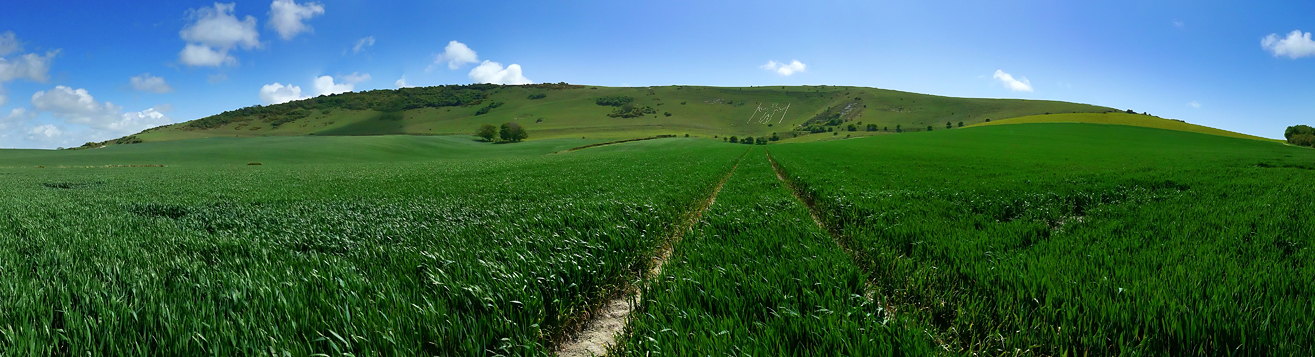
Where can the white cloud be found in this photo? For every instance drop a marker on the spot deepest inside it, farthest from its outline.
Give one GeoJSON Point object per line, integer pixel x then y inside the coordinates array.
{"type": "Point", "coordinates": [133, 122]}
{"type": "Point", "coordinates": [1194, 104]}
{"type": "Point", "coordinates": [74, 105]}
{"type": "Point", "coordinates": [785, 69]}
{"type": "Point", "coordinates": [1178, 23]}
{"type": "Point", "coordinates": [401, 83]}
{"type": "Point", "coordinates": [278, 93]}
{"type": "Point", "coordinates": [456, 54]}
{"type": "Point", "coordinates": [77, 106]}
{"type": "Point", "coordinates": [214, 32]}
{"type": "Point", "coordinates": [148, 83]}
{"type": "Point", "coordinates": [324, 85]}
{"type": "Point", "coordinates": [1017, 85]}
{"type": "Point", "coordinates": [355, 78]}
{"type": "Point", "coordinates": [17, 114]}
{"type": "Point", "coordinates": [200, 55]}
{"type": "Point", "coordinates": [286, 16]}
{"type": "Point", "coordinates": [492, 72]}
{"type": "Point", "coordinates": [28, 66]}
{"type": "Point", "coordinates": [1296, 45]}
{"type": "Point", "coordinates": [48, 131]}
{"type": "Point", "coordinates": [216, 78]}
{"type": "Point", "coordinates": [361, 44]}
{"type": "Point", "coordinates": [9, 43]}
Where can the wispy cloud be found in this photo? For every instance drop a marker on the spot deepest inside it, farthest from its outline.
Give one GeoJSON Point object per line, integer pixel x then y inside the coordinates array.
{"type": "Point", "coordinates": [785, 69]}
{"type": "Point", "coordinates": [148, 83]}
{"type": "Point", "coordinates": [362, 44]}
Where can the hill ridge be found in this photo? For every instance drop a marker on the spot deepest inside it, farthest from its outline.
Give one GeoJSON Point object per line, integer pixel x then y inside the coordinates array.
{"type": "Point", "coordinates": [562, 110]}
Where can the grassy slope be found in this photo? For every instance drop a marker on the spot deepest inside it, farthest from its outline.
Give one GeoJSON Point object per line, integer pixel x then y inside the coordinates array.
{"type": "Point", "coordinates": [572, 113]}
{"type": "Point", "coordinates": [1122, 119]}
{"type": "Point", "coordinates": [300, 149]}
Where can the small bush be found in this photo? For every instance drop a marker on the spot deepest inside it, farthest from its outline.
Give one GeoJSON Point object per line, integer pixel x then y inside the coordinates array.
{"type": "Point", "coordinates": [254, 163]}
{"type": "Point", "coordinates": [614, 101]}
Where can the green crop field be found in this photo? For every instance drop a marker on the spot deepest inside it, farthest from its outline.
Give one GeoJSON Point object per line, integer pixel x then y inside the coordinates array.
{"type": "Point", "coordinates": [758, 277]}
{"type": "Point", "coordinates": [439, 257]}
{"type": "Point", "coordinates": [1078, 239]}
{"type": "Point", "coordinates": [327, 236]}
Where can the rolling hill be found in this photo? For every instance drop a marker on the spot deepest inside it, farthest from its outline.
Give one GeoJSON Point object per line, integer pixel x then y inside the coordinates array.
{"type": "Point", "coordinates": [1123, 119]}
{"type": "Point", "coordinates": [595, 112]}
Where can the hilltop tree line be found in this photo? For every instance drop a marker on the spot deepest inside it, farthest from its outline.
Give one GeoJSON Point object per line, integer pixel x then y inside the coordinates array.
{"type": "Point", "coordinates": [1302, 135]}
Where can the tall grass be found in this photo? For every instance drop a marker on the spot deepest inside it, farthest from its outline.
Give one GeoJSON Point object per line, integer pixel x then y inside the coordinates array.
{"type": "Point", "coordinates": [1080, 239]}
{"type": "Point", "coordinates": [448, 257]}
{"type": "Point", "coordinates": [757, 277]}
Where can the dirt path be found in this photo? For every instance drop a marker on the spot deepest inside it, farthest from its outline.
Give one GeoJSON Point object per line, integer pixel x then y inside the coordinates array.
{"type": "Point", "coordinates": [609, 321]}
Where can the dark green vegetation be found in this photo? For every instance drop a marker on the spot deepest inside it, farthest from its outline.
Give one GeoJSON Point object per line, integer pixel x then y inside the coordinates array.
{"type": "Point", "coordinates": [757, 277]}
{"type": "Point", "coordinates": [570, 111]}
{"type": "Point", "coordinates": [1079, 239]}
{"type": "Point", "coordinates": [1025, 239]}
{"type": "Point", "coordinates": [406, 256]}
{"type": "Point", "coordinates": [1303, 135]}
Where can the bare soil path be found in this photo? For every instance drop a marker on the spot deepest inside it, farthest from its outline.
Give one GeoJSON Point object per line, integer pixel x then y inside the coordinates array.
{"type": "Point", "coordinates": [609, 321]}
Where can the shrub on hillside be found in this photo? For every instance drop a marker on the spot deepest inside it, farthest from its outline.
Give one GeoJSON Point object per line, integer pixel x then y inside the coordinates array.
{"type": "Point", "coordinates": [537, 96]}
{"type": "Point", "coordinates": [630, 110]}
{"type": "Point", "coordinates": [614, 101]}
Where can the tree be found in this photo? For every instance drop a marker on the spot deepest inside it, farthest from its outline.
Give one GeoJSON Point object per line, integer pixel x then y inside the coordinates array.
{"type": "Point", "coordinates": [948, 125]}
{"type": "Point", "coordinates": [734, 139]}
{"type": "Point", "coordinates": [487, 132]}
{"type": "Point", "coordinates": [1300, 135]}
{"type": "Point", "coordinates": [929, 128]}
{"type": "Point", "coordinates": [1296, 130]}
{"type": "Point", "coordinates": [512, 132]}
{"type": "Point", "coordinates": [762, 140]}
{"type": "Point", "coordinates": [960, 124]}
{"type": "Point", "coordinates": [897, 129]}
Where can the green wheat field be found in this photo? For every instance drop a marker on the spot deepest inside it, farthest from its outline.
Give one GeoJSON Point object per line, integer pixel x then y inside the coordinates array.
{"type": "Point", "coordinates": [1059, 238]}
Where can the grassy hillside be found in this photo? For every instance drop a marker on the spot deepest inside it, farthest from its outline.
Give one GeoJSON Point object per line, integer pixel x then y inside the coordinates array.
{"type": "Point", "coordinates": [569, 111]}
{"type": "Point", "coordinates": [1122, 119]}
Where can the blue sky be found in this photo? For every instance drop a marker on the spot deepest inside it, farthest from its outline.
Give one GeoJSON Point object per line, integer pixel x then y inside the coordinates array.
{"type": "Point", "coordinates": [76, 71]}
